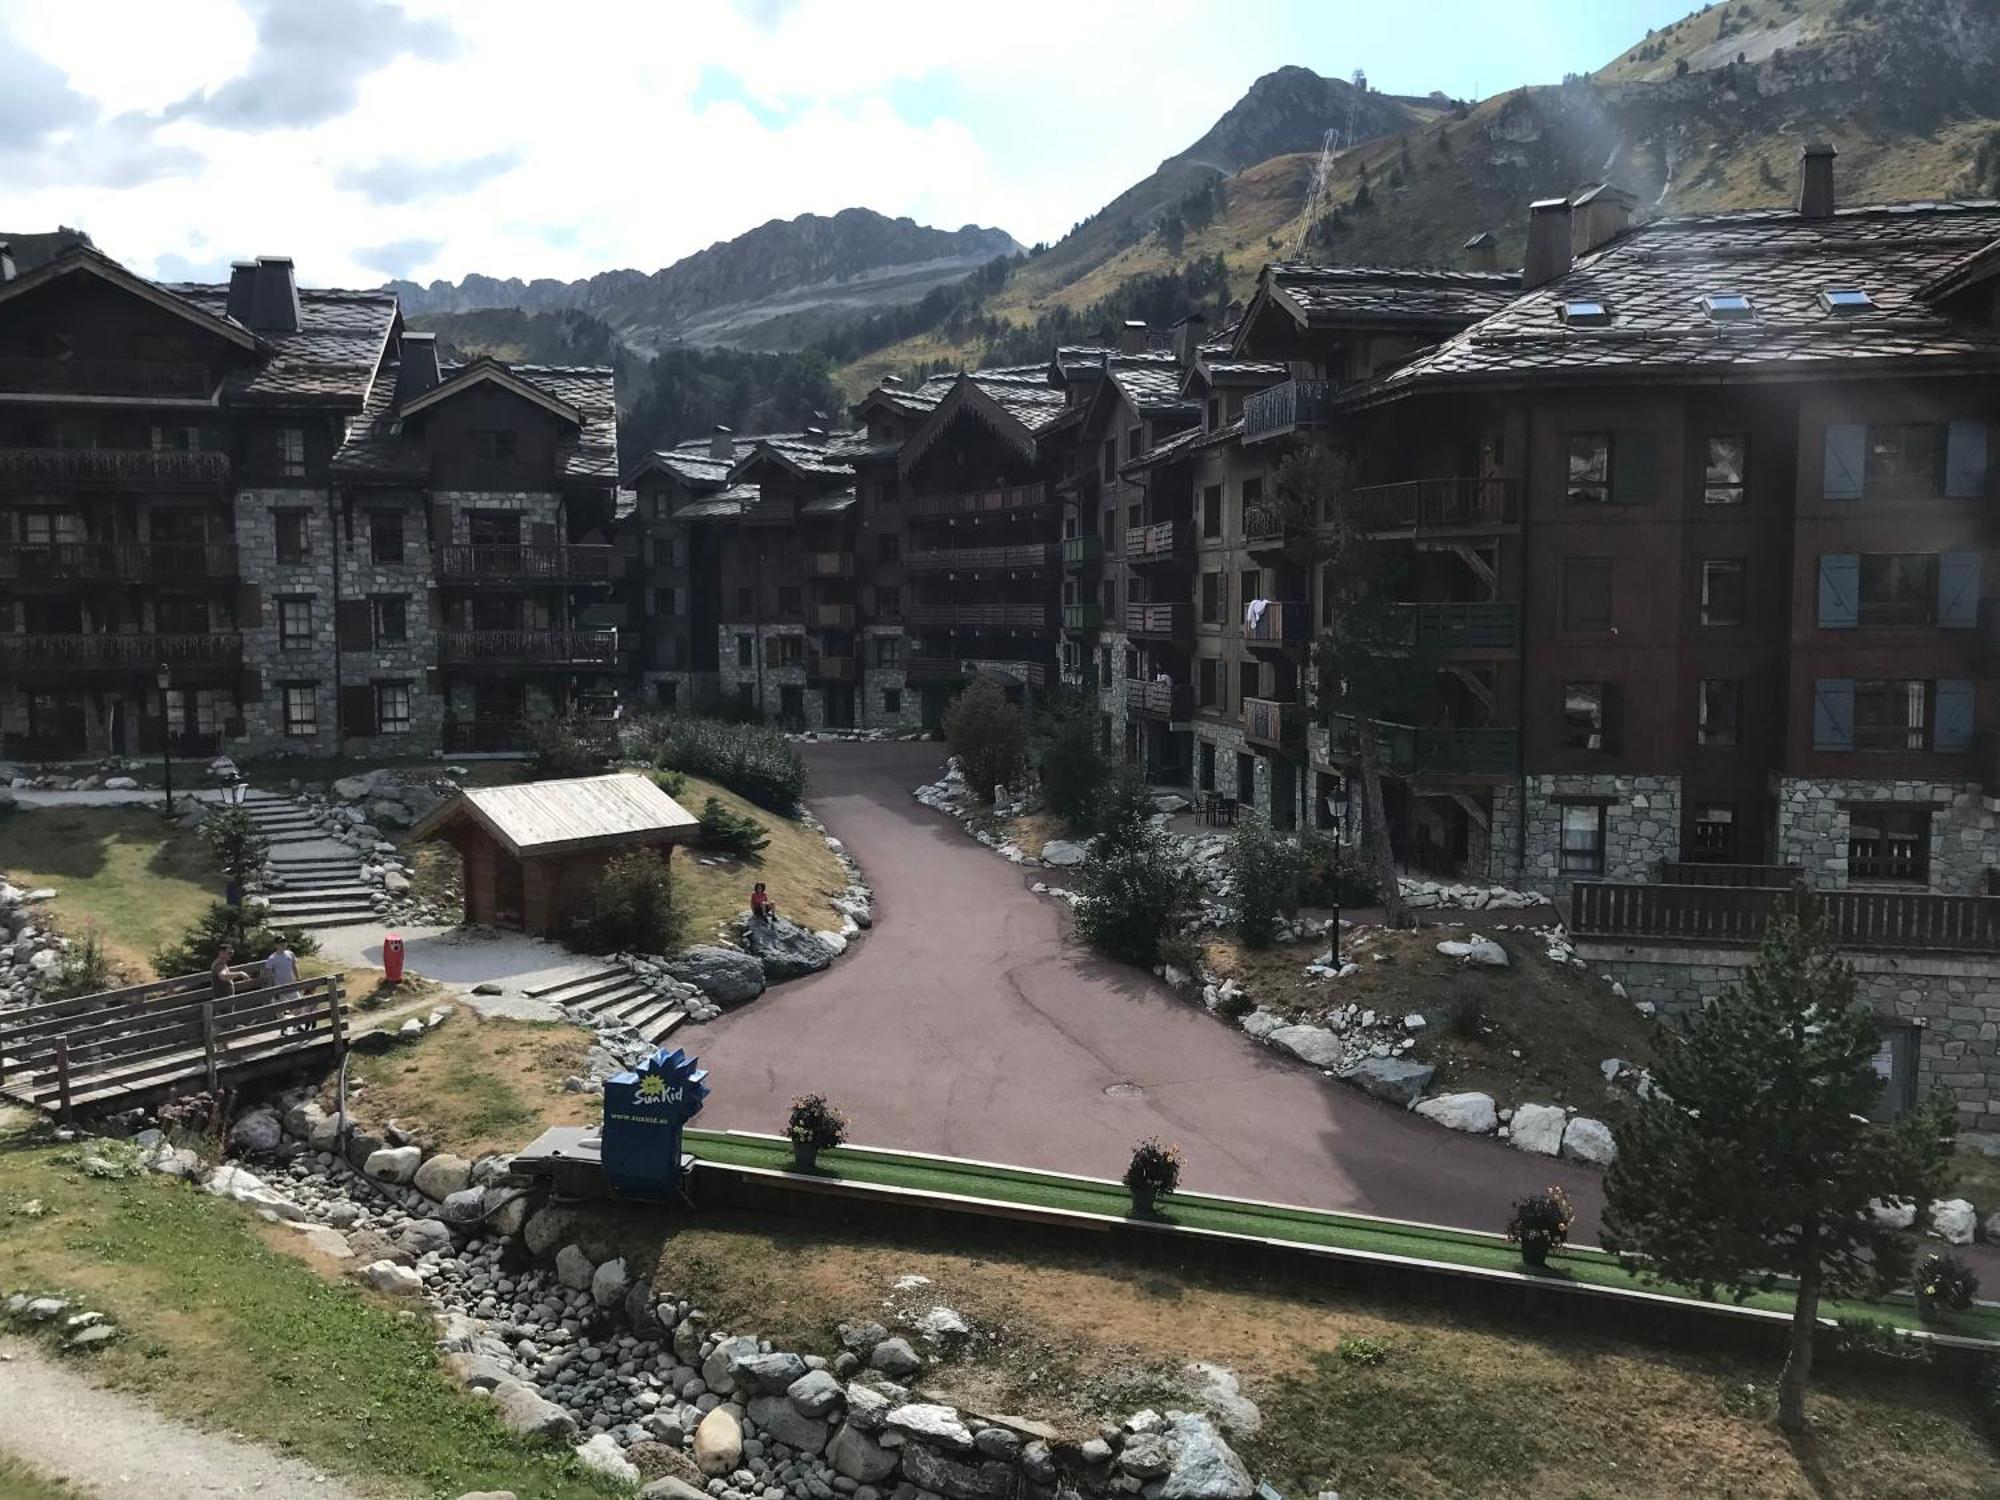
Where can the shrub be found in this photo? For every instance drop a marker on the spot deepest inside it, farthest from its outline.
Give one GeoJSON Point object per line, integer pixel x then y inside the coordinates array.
{"type": "Point", "coordinates": [1132, 893]}
{"type": "Point", "coordinates": [673, 783]}
{"type": "Point", "coordinates": [1074, 771]}
{"type": "Point", "coordinates": [1267, 873]}
{"type": "Point", "coordinates": [727, 832]}
{"type": "Point", "coordinates": [1124, 807]}
{"type": "Point", "coordinates": [569, 746]}
{"type": "Point", "coordinates": [1541, 1221]}
{"type": "Point", "coordinates": [815, 1124]}
{"type": "Point", "coordinates": [1865, 1341]}
{"type": "Point", "coordinates": [238, 844]}
{"type": "Point", "coordinates": [754, 761]}
{"type": "Point", "coordinates": [1945, 1281]}
{"type": "Point", "coordinates": [985, 732]}
{"type": "Point", "coordinates": [1155, 1168]}
{"type": "Point", "coordinates": [1465, 1017]}
{"type": "Point", "coordinates": [1336, 874]}
{"type": "Point", "coordinates": [247, 930]}
{"type": "Point", "coordinates": [1360, 1350]}
{"type": "Point", "coordinates": [84, 969]}
{"type": "Point", "coordinates": [633, 908]}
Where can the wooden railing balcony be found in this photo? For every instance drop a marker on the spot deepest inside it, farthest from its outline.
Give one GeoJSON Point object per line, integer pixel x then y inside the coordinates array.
{"type": "Point", "coordinates": [1275, 725]}
{"type": "Point", "coordinates": [979, 616]}
{"type": "Point", "coordinates": [117, 466]}
{"type": "Point", "coordinates": [820, 667]}
{"type": "Point", "coordinates": [1700, 915]}
{"type": "Point", "coordinates": [1160, 542]}
{"type": "Point", "coordinates": [124, 562]}
{"type": "Point", "coordinates": [1082, 551]}
{"type": "Point", "coordinates": [1486, 626]}
{"type": "Point", "coordinates": [1762, 877]}
{"type": "Point", "coordinates": [830, 565]}
{"type": "Point", "coordinates": [921, 667]}
{"type": "Point", "coordinates": [481, 562]}
{"type": "Point", "coordinates": [977, 502]}
{"type": "Point", "coordinates": [150, 379]}
{"type": "Point", "coordinates": [1264, 527]}
{"type": "Point", "coordinates": [1284, 622]}
{"type": "Point", "coordinates": [595, 648]}
{"type": "Point", "coordinates": [1442, 752]}
{"type": "Point", "coordinates": [1159, 700]}
{"type": "Point", "coordinates": [1287, 407]}
{"type": "Point", "coordinates": [1016, 557]}
{"type": "Point", "coordinates": [830, 616]}
{"type": "Point", "coordinates": [931, 667]}
{"type": "Point", "coordinates": [120, 652]}
{"type": "Point", "coordinates": [1083, 616]}
{"type": "Point", "coordinates": [1421, 505]}
{"type": "Point", "coordinates": [1171, 620]}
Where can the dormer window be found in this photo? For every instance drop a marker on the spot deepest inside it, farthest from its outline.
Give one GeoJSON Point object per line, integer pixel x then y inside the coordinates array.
{"type": "Point", "coordinates": [1728, 307]}
{"type": "Point", "coordinates": [1583, 313]}
{"type": "Point", "coordinates": [1846, 301]}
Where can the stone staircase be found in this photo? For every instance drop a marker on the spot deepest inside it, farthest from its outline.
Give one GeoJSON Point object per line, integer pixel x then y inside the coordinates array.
{"type": "Point", "coordinates": [321, 879]}
{"type": "Point", "coordinates": [616, 994]}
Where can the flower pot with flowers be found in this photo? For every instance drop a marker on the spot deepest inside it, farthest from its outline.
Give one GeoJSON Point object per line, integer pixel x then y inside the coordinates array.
{"type": "Point", "coordinates": [1945, 1285]}
{"type": "Point", "coordinates": [1155, 1169]}
{"type": "Point", "coordinates": [816, 1126]}
{"type": "Point", "coordinates": [1539, 1223]}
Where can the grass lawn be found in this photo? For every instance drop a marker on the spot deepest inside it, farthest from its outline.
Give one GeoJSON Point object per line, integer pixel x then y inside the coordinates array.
{"type": "Point", "coordinates": [138, 879]}
{"type": "Point", "coordinates": [797, 868]}
{"type": "Point", "coordinates": [1976, 1176]}
{"type": "Point", "coordinates": [230, 1333]}
{"type": "Point", "coordinates": [20, 1482]}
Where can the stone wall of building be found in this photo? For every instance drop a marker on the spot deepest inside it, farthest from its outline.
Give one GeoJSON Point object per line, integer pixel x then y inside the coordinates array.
{"type": "Point", "coordinates": [272, 664]}
{"type": "Point", "coordinates": [361, 577]}
{"type": "Point", "coordinates": [903, 708]}
{"type": "Point", "coordinates": [766, 680]}
{"type": "Point", "coordinates": [1642, 826]}
{"type": "Point", "coordinates": [1813, 822]}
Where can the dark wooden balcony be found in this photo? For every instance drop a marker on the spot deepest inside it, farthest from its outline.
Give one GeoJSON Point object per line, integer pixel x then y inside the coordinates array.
{"type": "Point", "coordinates": [830, 616]}
{"type": "Point", "coordinates": [1765, 877]}
{"type": "Point", "coordinates": [111, 466]}
{"type": "Point", "coordinates": [1272, 725]}
{"type": "Point", "coordinates": [132, 652]}
{"type": "Point", "coordinates": [1166, 621]}
{"type": "Point", "coordinates": [1264, 528]}
{"type": "Point", "coordinates": [822, 667]}
{"type": "Point", "coordinates": [1082, 551]}
{"type": "Point", "coordinates": [24, 564]}
{"type": "Point", "coordinates": [980, 502]}
{"type": "Point", "coordinates": [1284, 622]}
{"type": "Point", "coordinates": [1163, 542]}
{"type": "Point", "coordinates": [1443, 753]}
{"type": "Point", "coordinates": [1701, 915]}
{"type": "Point", "coordinates": [1292, 406]}
{"type": "Point", "coordinates": [829, 565]}
{"type": "Point", "coordinates": [591, 648]}
{"type": "Point", "coordinates": [482, 736]}
{"type": "Point", "coordinates": [932, 667]}
{"type": "Point", "coordinates": [156, 380]}
{"type": "Point", "coordinates": [1415, 507]}
{"type": "Point", "coordinates": [1159, 700]}
{"type": "Point", "coordinates": [464, 562]}
{"type": "Point", "coordinates": [1018, 557]}
{"type": "Point", "coordinates": [979, 616]}
{"type": "Point", "coordinates": [1491, 626]}
{"type": "Point", "coordinates": [1083, 616]}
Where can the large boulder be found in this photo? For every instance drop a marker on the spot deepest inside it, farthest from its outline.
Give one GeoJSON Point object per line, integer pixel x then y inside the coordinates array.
{"type": "Point", "coordinates": [574, 1269]}
{"type": "Point", "coordinates": [1589, 1140]}
{"type": "Point", "coordinates": [1396, 1079]}
{"type": "Point", "coordinates": [353, 788]}
{"type": "Point", "coordinates": [929, 1423]}
{"type": "Point", "coordinates": [1313, 1044]}
{"type": "Point", "coordinates": [394, 1280]}
{"type": "Point", "coordinates": [785, 949]}
{"type": "Point", "coordinates": [858, 1456]}
{"type": "Point", "coordinates": [718, 1371]}
{"type": "Point", "coordinates": [547, 1228]}
{"type": "Point", "coordinates": [957, 1479]}
{"type": "Point", "coordinates": [769, 1374]}
{"type": "Point", "coordinates": [609, 1283]}
{"type": "Point", "coordinates": [776, 1417]}
{"type": "Point", "coordinates": [423, 1236]}
{"type": "Point", "coordinates": [443, 1175]}
{"type": "Point", "coordinates": [394, 1163]}
{"type": "Point", "coordinates": [1538, 1128]}
{"type": "Point", "coordinates": [1064, 854]}
{"type": "Point", "coordinates": [1205, 1467]}
{"type": "Point", "coordinates": [1953, 1220]}
{"type": "Point", "coordinates": [1472, 1113]}
{"type": "Point", "coordinates": [814, 1394]}
{"type": "Point", "coordinates": [895, 1358]}
{"type": "Point", "coordinates": [718, 1443]}
{"type": "Point", "coordinates": [1478, 951]}
{"type": "Point", "coordinates": [602, 1455]}
{"type": "Point", "coordinates": [523, 1412]}
{"type": "Point", "coordinates": [728, 976]}
{"type": "Point", "coordinates": [260, 1130]}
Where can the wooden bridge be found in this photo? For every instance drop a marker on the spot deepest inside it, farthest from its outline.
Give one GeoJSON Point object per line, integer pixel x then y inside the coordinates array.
{"type": "Point", "coordinates": [96, 1054]}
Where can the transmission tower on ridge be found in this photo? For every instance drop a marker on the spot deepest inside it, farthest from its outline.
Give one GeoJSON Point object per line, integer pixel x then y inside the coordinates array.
{"type": "Point", "coordinates": [1330, 146]}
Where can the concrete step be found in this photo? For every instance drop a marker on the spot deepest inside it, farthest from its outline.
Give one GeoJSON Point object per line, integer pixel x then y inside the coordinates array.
{"type": "Point", "coordinates": [312, 895]}
{"type": "Point", "coordinates": [660, 1024]}
{"type": "Point", "coordinates": [341, 919]}
{"type": "Point", "coordinates": [552, 990]}
{"type": "Point", "coordinates": [622, 1002]}
{"type": "Point", "coordinates": [332, 875]}
{"type": "Point", "coordinates": [599, 997]}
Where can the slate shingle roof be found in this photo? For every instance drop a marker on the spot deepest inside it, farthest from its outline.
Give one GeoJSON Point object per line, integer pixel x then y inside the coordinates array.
{"type": "Point", "coordinates": [1331, 296]}
{"type": "Point", "coordinates": [330, 361]}
{"type": "Point", "coordinates": [1652, 281]}
{"type": "Point", "coordinates": [376, 448]}
{"type": "Point", "coordinates": [1183, 445]}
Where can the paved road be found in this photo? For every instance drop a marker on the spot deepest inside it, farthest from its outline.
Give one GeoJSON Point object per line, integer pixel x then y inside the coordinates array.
{"type": "Point", "coordinates": [970, 1023]}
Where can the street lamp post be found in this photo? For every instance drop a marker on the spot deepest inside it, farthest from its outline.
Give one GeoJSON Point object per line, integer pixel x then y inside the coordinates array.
{"type": "Point", "coordinates": [165, 679]}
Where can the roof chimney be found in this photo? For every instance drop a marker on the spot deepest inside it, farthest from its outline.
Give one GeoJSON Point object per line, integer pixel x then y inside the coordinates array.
{"type": "Point", "coordinates": [1816, 180]}
{"type": "Point", "coordinates": [1132, 337]}
{"type": "Point", "coordinates": [418, 370]}
{"type": "Point", "coordinates": [274, 296]}
{"type": "Point", "coordinates": [1598, 216]}
{"type": "Point", "coordinates": [1187, 337]}
{"type": "Point", "coordinates": [7, 268]}
{"type": "Point", "coordinates": [892, 381]}
{"type": "Point", "coordinates": [1548, 243]}
{"type": "Point", "coordinates": [242, 280]}
{"type": "Point", "coordinates": [722, 445]}
{"type": "Point", "coordinates": [1482, 252]}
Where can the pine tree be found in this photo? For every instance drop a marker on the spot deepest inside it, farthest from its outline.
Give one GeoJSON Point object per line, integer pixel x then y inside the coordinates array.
{"type": "Point", "coordinates": [1754, 1156]}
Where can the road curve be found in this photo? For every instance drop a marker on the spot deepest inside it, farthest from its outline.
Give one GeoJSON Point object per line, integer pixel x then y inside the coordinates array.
{"type": "Point", "coordinates": [970, 1023]}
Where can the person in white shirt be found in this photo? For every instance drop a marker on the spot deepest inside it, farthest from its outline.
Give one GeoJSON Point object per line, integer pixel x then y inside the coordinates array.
{"type": "Point", "coordinates": [280, 971]}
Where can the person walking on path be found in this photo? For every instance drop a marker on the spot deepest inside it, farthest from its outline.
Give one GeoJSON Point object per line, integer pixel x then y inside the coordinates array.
{"type": "Point", "coordinates": [222, 979]}
{"type": "Point", "coordinates": [281, 972]}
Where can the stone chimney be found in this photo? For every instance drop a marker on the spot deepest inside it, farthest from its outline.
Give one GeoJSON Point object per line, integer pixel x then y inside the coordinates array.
{"type": "Point", "coordinates": [417, 370]}
{"type": "Point", "coordinates": [722, 445]}
{"type": "Point", "coordinates": [1598, 216]}
{"type": "Point", "coordinates": [1816, 180]}
{"type": "Point", "coordinates": [1132, 337]}
{"type": "Point", "coordinates": [1548, 243]}
{"type": "Point", "coordinates": [1482, 252]}
{"type": "Point", "coordinates": [242, 281]}
{"type": "Point", "coordinates": [274, 295]}
{"type": "Point", "coordinates": [1188, 334]}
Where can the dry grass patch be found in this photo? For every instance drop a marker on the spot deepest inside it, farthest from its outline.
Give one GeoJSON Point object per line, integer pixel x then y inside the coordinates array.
{"type": "Point", "coordinates": [797, 868]}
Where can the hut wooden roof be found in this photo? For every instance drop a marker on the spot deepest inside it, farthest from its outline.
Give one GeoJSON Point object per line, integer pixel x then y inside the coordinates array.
{"type": "Point", "coordinates": [560, 817]}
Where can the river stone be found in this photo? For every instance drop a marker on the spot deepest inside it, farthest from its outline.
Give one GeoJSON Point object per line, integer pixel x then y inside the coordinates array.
{"type": "Point", "coordinates": [574, 1269]}
{"type": "Point", "coordinates": [1313, 1044]}
{"type": "Point", "coordinates": [1953, 1220]}
{"type": "Point", "coordinates": [1589, 1140]}
{"type": "Point", "coordinates": [857, 1455]}
{"type": "Point", "coordinates": [394, 1163]}
{"type": "Point", "coordinates": [394, 1280]}
{"type": "Point", "coordinates": [1479, 951]}
{"type": "Point", "coordinates": [422, 1236]}
{"type": "Point", "coordinates": [1146, 1456]}
{"type": "Point", "coordinates": [1064, 854]}
{"type": "Point", "coordinates": [602, 1455]}
{"type": "Point", "coordinates": [728, 976]}
{"type": "Point", "coordinates": [1473, 1113]}
{"type": "Point", "coordinates": [775, 1417]}
{"type": "Point", "coordinates": [1396, 1079]}
{"type": "Point", "coordinates": [443, 1175]}
{"type": "Point", "coordinates": [718, 1443]}
{"type": "Point", "coordinates": [768, 1374]}
{"type": "Point", "coordinates": [547, 1228]}
{"type": "Point", "coordinates": [786, 950]}
{"type": "Point", "coordinates": [954, 1478]}
{"type": "Point", "coordinates": [609, 1283]}
{"type": "Point", "coordinates": [718, 1371]}
{"type": "Point", "coordinates": [260, 1130]}
{"type": "Point", "coordinates": [1205, 1467]}
{"type": "Point", "coordinates": [1538, 1128]}
{"type": "Point", "coordinates": [814, 1394]}
{"type": "Point", "coordinates": [668, 1487]}
{"type": "Point", "coordinates": [929, 1423]}
{"type": "Point", "coordinates": [867, 1408]}
{"type": "Point", "coordinates": [464, 1206]}
{"type": "Point", "coordinates": [524, 1413]}
{"type": "Point", "coordinates": [895, 1357]}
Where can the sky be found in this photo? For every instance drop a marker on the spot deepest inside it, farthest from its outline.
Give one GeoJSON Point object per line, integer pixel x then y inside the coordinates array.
{"type": "Point", "coordinates": [371, 139]}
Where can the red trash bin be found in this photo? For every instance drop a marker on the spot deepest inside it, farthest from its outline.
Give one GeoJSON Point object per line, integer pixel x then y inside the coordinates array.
{"type": "Point", "coordinates": [392, 958]}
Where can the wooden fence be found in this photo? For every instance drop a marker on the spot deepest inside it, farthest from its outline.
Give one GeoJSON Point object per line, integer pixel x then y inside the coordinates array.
{"type": "Point", "coordinates": [1769, 877]}
{"type": "Point", "coordinates": [1895, 921]}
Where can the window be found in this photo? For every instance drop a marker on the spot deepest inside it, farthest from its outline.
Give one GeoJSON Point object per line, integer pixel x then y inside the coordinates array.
{"type": "Point", "coordinates": [1208, 679]}
{"type": "Point", "coordinates": [1211, 598]}
{"type": "Point", "coordinates": [1246, 680]}
{"type": "Point", "coordinates": [1111, 458]}
{"type": "Point", "coordinates": [385, 536]}
{"type": "Point", "coordinates": [1582, 838]}
{"type": "Point", "coordinates": [1898, 588]}
{"type": "Point", "coordinates": [663, 602]}
{"type": "Point", "coordinates": [290, 526]}
{"type": "Point", "coordinates": [1211, 512]}
{"type": "Point", "coordinates": [888, 603]}
{"type": "Point", "coordinates": [177, 440]}
{"type": "Point", "coordinates": [666, 693]}
{"type": "Point", "coordinates": [1590, 468]}
{"type": "Point", "coordinates": [888, 651]}
{"type": "Point", "coordinates": [493, 447]}
{"type": "Point", "coordinates": [1253, 497]}
{"type": "Point", "coordinates": [1135, 442]}
{"type": "Point", "coordinates": [1722, 476]}
{"type": "Point", "coordinates": [392, 708]}
{"type": "Point", "coordinates": [1587, 593]}
{"type": "Point", "coordinates": [1205, 758]}
{"type": "Point", "coordinates": [744, 698]}
{"type": "Point", "coordinates": [1251, 581]}
{"type": "Point", "coordinates": [295, 623]}
{"type": "Point", "coordinates": [1586, 314]}
{"type": "Point", "coordinates": [1593, 716]}
{"type": "Point", "coordinates": [888, 547]}
{"type": "Point", "coordinates": [746, 601]}
{"type": "Point", "coordinates": [493, 528]}
{"type": "Point", "coordinates": [892, 700]}
{"type": "Point", "coordinates": [1904, 459]}
{"type": "Point", "coordinates": [1720, 714]}
{"type": "Point", "coordinates": [292, 452]}
{"type": "Point", "coordinates": [1888, 842]}
{"type": "Point", "coordinates": [1846, 301]}
{"type": "Point", "coordinates": [392, 619]}
{"type": "Point", "coordinates": [1728, 307]}
{"type": "Point", "coordinates": [1892, 714]}
{"type": "Point", "coordinates": [1214, 413]}
{"type": "Point", "coordinates": [301, 710]}
{"type": "Point", "coordinates": [791, 650]}
{"type": "Point", "coordinates": [1722, 591]}
{"type": "Point", "coordinates": [746, 651]}
{"type": "Point", "coordinates": [1714, 831]}
{"type": "Point", "coordinates": [790, 599]}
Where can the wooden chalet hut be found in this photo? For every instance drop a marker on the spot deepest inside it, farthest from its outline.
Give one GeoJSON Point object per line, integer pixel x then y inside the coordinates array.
{"type": "Point", "coordinates": [532, 853]}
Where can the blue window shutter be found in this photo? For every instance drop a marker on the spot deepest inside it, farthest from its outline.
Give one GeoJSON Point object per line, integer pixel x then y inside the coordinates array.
{"type": "Point", "coordinates": [1833, 713]}
{"type": "Point", "coordinates": [1951, 732]}
{"type": "Point", "coordinates": [1965, 460]}
{"type": "Point", "coordinates": [1845, 460]}
{"type": "Point", "coordinates": [1840, 590]}
{"type": "Point", "coordinates": [1958, 591]}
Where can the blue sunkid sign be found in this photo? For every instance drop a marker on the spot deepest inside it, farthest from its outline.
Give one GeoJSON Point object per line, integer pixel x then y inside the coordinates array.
{"type": "Point", "coordinates": [644, 1110]}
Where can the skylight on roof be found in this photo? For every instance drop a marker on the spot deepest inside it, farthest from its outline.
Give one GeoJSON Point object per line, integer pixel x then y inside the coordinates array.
{"type": "Point", "coordinates": [1846, 300]}
{"type": "Point", "coordinates": [1585, 313]}
{"type": "Point", "coordinates": [1727, 307]}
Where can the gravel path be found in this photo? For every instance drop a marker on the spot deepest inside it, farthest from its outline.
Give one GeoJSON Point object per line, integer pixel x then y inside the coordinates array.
{"type": "Point", "coordinates": [114, 1446]}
